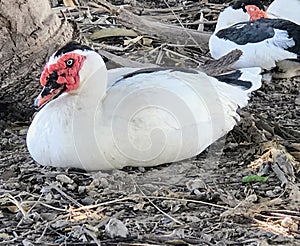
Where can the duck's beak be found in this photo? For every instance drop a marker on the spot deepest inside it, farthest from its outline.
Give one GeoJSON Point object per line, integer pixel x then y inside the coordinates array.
{"type": "Point", "coordinates": [47, 95]}
{"type": "Point", "coordinates": [51, 90]}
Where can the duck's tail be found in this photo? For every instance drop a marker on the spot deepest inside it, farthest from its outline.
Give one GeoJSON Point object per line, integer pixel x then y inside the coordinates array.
{"type": "Point", "coordinates": [247, 79]}
{"type": "Point", "coordinates": [236, 86]}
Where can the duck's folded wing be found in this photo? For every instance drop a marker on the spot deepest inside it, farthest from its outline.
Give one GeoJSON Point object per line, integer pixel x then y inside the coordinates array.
{"type": "Point", "coordinates": [116, 75]}
{"type": "Point", "coordinates": [277, 32]}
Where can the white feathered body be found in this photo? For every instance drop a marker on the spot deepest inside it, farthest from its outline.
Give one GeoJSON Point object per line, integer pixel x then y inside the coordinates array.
{"type": "Point", "coordinates": [143, 120]}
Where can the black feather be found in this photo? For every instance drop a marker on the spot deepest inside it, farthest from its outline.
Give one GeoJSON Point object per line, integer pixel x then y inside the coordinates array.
{"type": "Point", "coordinates": [241, 4]}
{"type": "Point", "coordinates": [70, 47]}
{"type": "Point", "coordinates": [232, 78]}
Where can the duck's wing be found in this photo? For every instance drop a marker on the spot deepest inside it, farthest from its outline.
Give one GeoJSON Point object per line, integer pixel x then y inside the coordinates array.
{"type": "Point", "coordinates": [277, 32]}
{"type": "Point", "coordinates": [236, 84]}
{"type": "Point", "coordinates": [118, 74]}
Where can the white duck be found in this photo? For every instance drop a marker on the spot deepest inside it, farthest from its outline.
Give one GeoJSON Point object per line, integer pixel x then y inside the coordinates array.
{"type": "Point", "coordinates": [285, 9]}
{"type": "Point", "coordinates": [101, 120]}
{"type": "Point", "coordinates": [264, 42]}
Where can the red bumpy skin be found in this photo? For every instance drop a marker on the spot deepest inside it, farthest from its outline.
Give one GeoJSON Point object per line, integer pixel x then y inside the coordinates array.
{"type": "Point", "coordinates": [255, 12]}
{"type": "Point", "coordinates": [68, 75]}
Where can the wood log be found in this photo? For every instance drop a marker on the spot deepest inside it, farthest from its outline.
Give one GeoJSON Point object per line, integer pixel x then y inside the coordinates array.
{"type": "Point", "coordinates": [165, 32]}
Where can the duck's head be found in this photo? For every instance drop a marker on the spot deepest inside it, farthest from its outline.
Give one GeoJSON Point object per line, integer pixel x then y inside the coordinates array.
{"type": "Point", "coordinates": [240, 11]}
{"type": "Point", "coordinates": [67, 70]}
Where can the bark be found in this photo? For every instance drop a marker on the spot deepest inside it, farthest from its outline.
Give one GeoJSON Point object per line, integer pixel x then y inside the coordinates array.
{"type": "Point", "coordinates": [29, 32]}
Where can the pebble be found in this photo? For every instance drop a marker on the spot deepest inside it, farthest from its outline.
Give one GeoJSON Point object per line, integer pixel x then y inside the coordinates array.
{"type": "Point", "coordinates": [4, 141]}
{"type": "Point", "coordinates": [288, 222]}
{"type": "Point", "coordinates": [195, 184]}
{"type": "Point", "coordinates": [48, 216]}
{"type": "Point", "coordinates": [81, 189]}
{"type": "Point", "coordinates": [23, 132]}
{"type": "Point", "coordinates": [87, 200]}
{"type": "Point", "coordinates": [64, 179]}
{"type": "Point", "coordinates": [26, 242]}
{"type": "Point", "coordinates": [59, 224]}
{"type": "Point", "coordinates": [116, 228]}
{"type": "Point", "coordinates": [269, 193]}
{"type": "Point", "coordinates": [192, 219]}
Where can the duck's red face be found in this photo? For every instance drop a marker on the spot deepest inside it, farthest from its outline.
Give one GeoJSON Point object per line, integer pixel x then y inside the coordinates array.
{"type": "Point", "coordinates": [60, 76]}
{"type": "Point", "coordinates": [255, 12]}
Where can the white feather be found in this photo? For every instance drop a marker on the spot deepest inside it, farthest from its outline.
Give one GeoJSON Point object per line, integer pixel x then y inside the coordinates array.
{"type": "Point", "coordinates": [285, 9]}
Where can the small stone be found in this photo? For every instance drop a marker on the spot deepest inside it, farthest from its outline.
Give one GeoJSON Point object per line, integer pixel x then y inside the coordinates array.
{"type": "Point", "coordinates": [71, 186]}
{"type": "Point", "coordinates": [26, 242]}
{"type": "Point", "coordinates": [104, 183]}
{"type": "Point", "coordinates": [48, 216]}
{"type": "Point", "coordinates": [87, 200]}
{"type": "Point", "coordinates": [251, 198]}
{"type": "Point", "coordinates": [4, 236]}
{"type": "Point", "coordinates": [269, 193]}
{"type": "Point", "coordinates": [81, 189]}
{"type": "Point", "coordinates": [288, 222]}
{"type": "Point", "coordinates": [192, 218]}
{"type": "Point", "coordinates": [277, 190]}
{"type": "Point", "coordinates": [195, 184]}
{"type": "Point", "coordinates": [23, 132]}
{"type": "Point", "coordinates": [115, 228]}
{"type": "Point", "coordinates": [59, 224]}
{"type": "Point", "coordinates": [4, 141]}
{"type": "Point", "coordinates": [64, 179]}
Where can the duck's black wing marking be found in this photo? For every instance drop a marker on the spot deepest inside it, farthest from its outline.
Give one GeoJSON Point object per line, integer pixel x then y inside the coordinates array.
{"type": "Point", "coordinates": [157, 69]}
{"type": "Point", "coordinates": [233, 78]}
{"type": "Point", "coordinates": [152, 70]}
{"type": "Point", "coordinates": [260, 30]}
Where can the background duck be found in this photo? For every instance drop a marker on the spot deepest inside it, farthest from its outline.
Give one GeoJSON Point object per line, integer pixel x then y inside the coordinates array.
{"type": "Point", "coordinates": [99, 119]}
{"type": "Point", "coordinates": [264, 42]}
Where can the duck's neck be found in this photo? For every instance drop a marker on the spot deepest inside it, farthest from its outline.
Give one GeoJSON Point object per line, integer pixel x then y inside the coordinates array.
{"type": "Point", "coordinates": [93, 83]}
{"type": "Point", "coordinates": [87, 108]}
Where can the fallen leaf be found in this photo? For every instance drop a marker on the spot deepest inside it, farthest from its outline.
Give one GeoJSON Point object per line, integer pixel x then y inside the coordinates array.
{"type": "Point", "coordinates": [113, 32]}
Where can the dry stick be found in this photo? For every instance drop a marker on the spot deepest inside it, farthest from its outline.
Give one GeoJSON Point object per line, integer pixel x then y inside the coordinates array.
{"type": "Point", "coordinates": [53, 186]}
{"type": "Point", "coordinates": [152, 197]}
{"type": "Point", "coordinates": [43, 233]}
{"type": "Point", "coordinates": [280, 174]}
{"type": "Point", "coordinates": [124, 61]}
{"type": "Point", "coordinates": [159, 57]}
{"type": "Point", "coordinates": [18, 204]}
{"type": "Point", "coordinates": [103, 203]}
{"type": "Point", "coordinates": [88, 232]}
{"type": "Point", "coordinates": [182, 56]}
{"type": "Point", "coordinates": [52, 207]}
{"type": "Point", "coordinates": [189, 200]}
{"type": "Point", "coordinates": [289, 212]}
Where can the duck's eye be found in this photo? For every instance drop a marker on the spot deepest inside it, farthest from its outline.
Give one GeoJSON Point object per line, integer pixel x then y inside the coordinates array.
{"type": "Point", "coordinates": [70, 62]}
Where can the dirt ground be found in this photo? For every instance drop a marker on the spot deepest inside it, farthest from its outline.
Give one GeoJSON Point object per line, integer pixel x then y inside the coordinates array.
{"type": "Point", "coordinates": [212, 199]}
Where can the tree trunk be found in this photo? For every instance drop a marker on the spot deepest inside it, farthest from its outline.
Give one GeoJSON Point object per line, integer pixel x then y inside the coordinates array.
{"type": "Point", "coordinates": [29, 32]}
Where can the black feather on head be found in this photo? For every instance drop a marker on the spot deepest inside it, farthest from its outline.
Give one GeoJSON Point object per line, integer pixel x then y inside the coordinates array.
{"type": "Point", "coordinates": [241, 4]}
{"type": "Point", "coordinates": [70, 47]}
